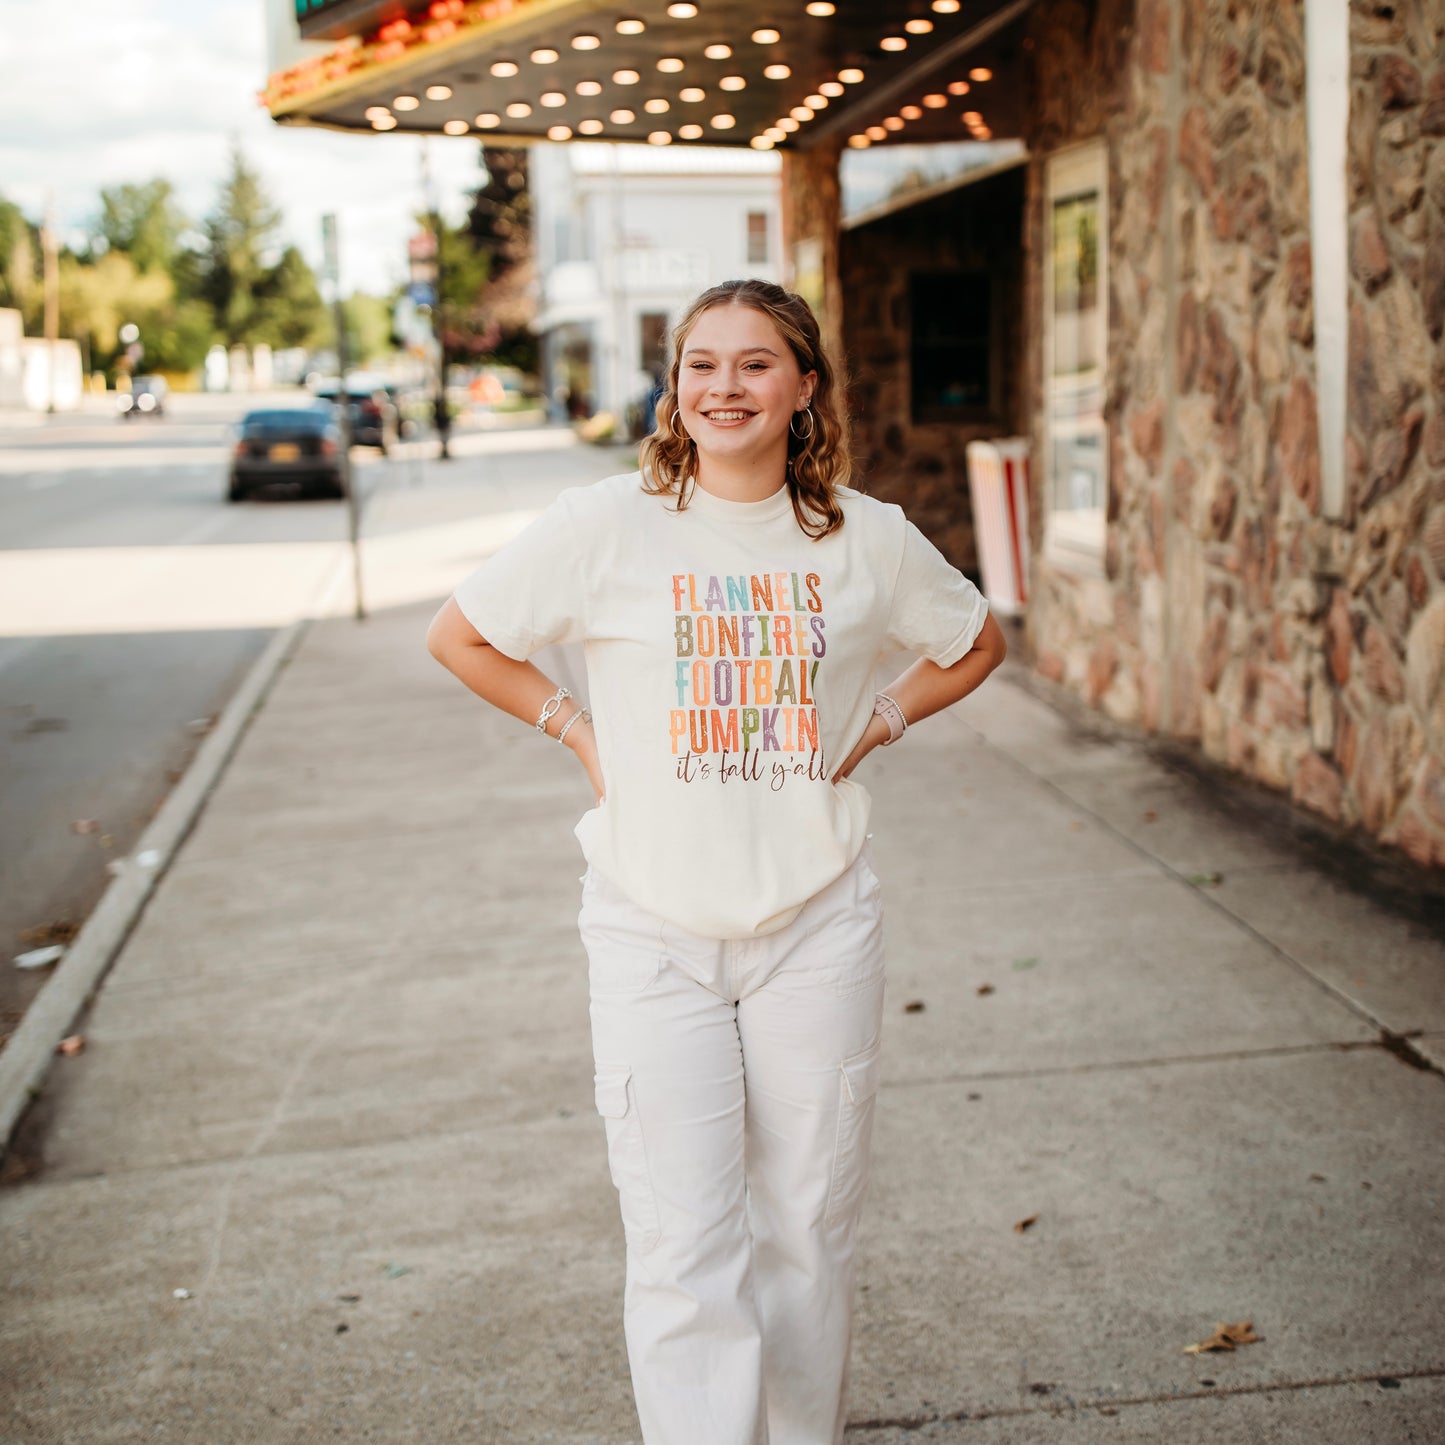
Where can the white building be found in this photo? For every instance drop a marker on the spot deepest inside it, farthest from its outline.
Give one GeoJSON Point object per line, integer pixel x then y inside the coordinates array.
{"type": "Point", "coordinates": [626, 236]}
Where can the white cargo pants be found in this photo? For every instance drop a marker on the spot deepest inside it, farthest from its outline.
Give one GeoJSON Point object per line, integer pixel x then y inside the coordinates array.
{"type": "Point", "coordinates": [736, 1079]}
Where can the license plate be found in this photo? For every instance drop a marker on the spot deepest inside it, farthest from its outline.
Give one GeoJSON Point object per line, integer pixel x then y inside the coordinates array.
{"type": "Point", "coordinates": [285, 452]}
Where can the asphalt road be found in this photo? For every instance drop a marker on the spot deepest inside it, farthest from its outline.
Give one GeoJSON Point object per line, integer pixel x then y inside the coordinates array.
{"type": "Point", "coordinates": [133, 598]}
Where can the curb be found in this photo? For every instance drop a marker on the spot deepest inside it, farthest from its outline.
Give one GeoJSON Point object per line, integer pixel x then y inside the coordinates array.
{"type": "Point", "coordinates": [26, 1058]}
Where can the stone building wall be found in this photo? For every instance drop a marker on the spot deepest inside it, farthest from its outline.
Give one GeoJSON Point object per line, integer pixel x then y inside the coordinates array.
{"type": "Point", "coordinates": [920, 465]}
{"type": "Point", "coordinates": [1306, 652]}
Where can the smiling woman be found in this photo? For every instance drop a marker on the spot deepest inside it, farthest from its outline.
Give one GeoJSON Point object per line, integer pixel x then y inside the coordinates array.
{"type": "Point", "coordinates": [735, 597]}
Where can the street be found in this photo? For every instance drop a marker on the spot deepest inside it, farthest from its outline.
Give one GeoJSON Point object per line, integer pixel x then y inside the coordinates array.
{"type": "Point", "coordinates": [133, 598]}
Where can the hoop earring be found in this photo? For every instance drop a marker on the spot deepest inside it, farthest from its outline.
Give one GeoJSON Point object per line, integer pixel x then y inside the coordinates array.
{"type": "Point", "coordinates": [672, 427]}
{"type": "Point", "coordinates": [802, 436]}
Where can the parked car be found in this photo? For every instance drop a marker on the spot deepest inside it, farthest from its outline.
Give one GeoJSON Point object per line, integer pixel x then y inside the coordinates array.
{"type": "Point", "coordinates": [146, 397]}
{"type": "Point", "coordinates": [298, 447]}
{"type": "Point", "coordinates": [371, 407]}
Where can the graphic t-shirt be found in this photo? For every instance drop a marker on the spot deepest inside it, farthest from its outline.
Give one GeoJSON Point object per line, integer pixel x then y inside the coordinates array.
{"type": "Point", "coordinates": [730, 667]}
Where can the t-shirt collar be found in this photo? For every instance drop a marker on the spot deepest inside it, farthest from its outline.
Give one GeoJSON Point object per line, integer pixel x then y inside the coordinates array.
{"type": "Point", "coordinates": [777, 505]}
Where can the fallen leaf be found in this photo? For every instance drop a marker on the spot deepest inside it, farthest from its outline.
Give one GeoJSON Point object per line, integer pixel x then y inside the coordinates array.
{"type": "Point", "coordinates": [1317, 1178]}
{"type": "Point", "coordinates": [70, 1047]}
{"type": "Point", "coordinates": [349, 1299]}
{"type": "Point", "coordinates": [40, 957]}
{"type": "Point", "coordinates": [1150, 816]}
{"type": "Point", "coordinates": [914, 1006]}
{"type": "Point", "coordinates": [1226, 1337]}
{"type": "Point", "coordinates": [1024, 1224]}
{"type": "Point", "coordinates": [342, 1328]}
{"type": "Point", "coordinates": [1206, 880]}
{"type": "Point", "coordinates": [85, 825]}
{"type": "Point", "coordinates": [984, 989]}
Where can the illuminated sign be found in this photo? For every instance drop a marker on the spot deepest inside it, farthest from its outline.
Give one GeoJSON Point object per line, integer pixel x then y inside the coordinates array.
{"type": "Point", "coordinates": [336, 19]}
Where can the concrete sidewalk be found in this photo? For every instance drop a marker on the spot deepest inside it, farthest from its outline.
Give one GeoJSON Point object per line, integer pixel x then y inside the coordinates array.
{"type": "Point", "coordinates": [338, 1088]}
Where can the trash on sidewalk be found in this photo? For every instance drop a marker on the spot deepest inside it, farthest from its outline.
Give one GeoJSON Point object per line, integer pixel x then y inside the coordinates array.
{"type": "Point", "coordinates": [182, 1294]}
{"type": "Point", "coordinates": [75, 1044]}
{"type": "Point", "coordinates": [40, 957]}
{"type": "Point", "coordinates": [1206, 880]}
{"type": "Point", "coordinates": [200, 726]}
{"type": "Point", "coordinates": [1024, 1224]}
{"type": "Point", "coordinates": [395, 1271]}
{"type": "Point", "coordinates": [1226, 1337]}
{"type": "Point", "coordinates": [914, 1006]}
{"type": "Point", "coordinates": [984, 989]}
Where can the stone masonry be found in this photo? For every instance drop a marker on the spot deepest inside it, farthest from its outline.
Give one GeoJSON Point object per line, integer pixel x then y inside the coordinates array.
{"type": "Point", "coordinates": [1303, 651]}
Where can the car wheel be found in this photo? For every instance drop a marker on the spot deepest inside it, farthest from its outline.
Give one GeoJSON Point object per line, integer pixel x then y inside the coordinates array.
{"type": "Point", "coordinates": [235, 492]}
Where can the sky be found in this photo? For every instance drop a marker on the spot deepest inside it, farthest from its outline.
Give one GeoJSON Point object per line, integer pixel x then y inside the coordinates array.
{"type": "Point", "coordinates": [94, 93]}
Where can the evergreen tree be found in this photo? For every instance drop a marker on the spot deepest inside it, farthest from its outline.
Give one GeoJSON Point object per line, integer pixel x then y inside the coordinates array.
{"type": "Point", "coordinates": [289, 310]}
{"type": "Point", "coordinates": [238, 234]}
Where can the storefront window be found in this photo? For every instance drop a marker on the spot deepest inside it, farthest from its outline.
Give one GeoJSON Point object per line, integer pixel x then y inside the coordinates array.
{"type": "Point", "coordinates": [1075, 351]}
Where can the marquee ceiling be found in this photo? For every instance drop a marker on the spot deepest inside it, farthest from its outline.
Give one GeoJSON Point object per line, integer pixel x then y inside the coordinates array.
{"type": "Point", "coordinates": [753, 73]}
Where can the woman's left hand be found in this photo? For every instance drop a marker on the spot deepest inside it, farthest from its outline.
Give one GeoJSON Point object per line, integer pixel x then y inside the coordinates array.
{"type": "Point", "coordinates": [874, 735]}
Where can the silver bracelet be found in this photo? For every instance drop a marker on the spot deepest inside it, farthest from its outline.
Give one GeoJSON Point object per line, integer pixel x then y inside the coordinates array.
{"type": "Point", "coordinates": [583, 714]}
{"type": "Point", "coordinates": [887, 708]}
{"type": "Point", "coordinates": [551, 707]}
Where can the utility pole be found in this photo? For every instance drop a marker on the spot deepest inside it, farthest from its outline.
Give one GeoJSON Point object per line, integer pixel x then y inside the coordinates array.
{"type": "Point", "coordinates": [49, 246]}
{"type": "Point", "coordinates": [440, 413]}
{"type": "Point", "coordinates": [331, 279]}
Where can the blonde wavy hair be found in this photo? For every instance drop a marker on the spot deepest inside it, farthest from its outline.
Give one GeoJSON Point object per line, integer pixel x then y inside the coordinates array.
{"type": "Point", "coordinates": [818, 463]}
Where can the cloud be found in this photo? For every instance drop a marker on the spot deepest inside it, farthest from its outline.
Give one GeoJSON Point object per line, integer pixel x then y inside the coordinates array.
{"type": "Point", "coordinates": [163, 88]}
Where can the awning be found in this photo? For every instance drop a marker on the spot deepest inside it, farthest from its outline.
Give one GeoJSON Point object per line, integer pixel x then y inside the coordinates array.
{"type": "Point", "coordinates": [747, 73]}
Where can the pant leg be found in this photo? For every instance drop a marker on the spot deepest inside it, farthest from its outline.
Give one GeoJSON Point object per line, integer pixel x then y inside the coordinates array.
{"type": "Point", "coordinates": [810, 1038]}
{"type": "Point", "coordinates": [670, 1088]}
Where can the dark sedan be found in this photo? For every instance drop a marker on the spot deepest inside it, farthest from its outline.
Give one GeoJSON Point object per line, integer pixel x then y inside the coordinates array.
{"type": "Point", "coordinates": [300, 450]}
{"type": "Point", "coordinates": [371, 407]}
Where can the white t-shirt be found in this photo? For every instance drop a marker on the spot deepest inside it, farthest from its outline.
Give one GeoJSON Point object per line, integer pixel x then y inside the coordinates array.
{"type": "Point", "coordinates": [730, 666]}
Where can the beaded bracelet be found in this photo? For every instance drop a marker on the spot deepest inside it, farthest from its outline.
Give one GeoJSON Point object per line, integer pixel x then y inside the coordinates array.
{"type": "Point", "coordinates": [551, 707]}
{"type": "Point", "coordinates": [888, 709]}
{"type": "Point", "coordinates": [583, 714]}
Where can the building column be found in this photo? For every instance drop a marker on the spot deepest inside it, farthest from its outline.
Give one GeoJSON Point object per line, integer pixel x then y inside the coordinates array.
{"type": "Point", "coordinates": [812, 215]}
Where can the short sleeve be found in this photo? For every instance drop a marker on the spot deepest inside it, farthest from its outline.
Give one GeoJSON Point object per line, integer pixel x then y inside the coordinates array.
{"type": "Point", "coordinates": [533, 591]}
{"type": "Point", "coordinates": [936, 612]}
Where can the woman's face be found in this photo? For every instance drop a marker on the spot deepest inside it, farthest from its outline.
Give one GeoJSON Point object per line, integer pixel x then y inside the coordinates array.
{"type": "Point", "coordinates": [738, 386]}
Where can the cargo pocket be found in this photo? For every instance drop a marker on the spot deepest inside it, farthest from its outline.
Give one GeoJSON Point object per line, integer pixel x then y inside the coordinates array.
{"type": "Point", "coordinates": [627, 1155]}
{"type": "Point", "coordinates": [857, 1086]}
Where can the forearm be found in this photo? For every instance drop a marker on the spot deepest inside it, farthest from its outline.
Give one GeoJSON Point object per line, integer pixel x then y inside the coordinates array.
{"type": "Point", "coordinates": [926, 688]}
{"type": "Point", "coordinates": [520, 689]}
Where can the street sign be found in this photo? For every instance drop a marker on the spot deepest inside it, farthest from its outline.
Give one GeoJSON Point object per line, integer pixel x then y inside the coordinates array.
{"type": "Point", "coordinates": [422, 293]}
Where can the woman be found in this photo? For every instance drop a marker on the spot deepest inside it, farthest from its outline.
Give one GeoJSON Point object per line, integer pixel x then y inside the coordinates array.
{"type": "Point", "coordinates": [734, 597]}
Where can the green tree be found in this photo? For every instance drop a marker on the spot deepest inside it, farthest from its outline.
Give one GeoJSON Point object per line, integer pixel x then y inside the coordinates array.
{"type": "Point", "coordinates": [20, 285]}
{"type": "Point", "coordinates": [144, 222]}
{"type": "Point", "coordinates": [288, 306]}
{"type": "Point", "coordinates": [368, 326]}
{"type": "Point", "coordinates": [238, 234]}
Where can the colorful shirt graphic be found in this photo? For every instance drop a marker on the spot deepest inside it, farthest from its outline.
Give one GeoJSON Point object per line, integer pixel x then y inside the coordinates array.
{"type": "Point", "coordinates": [749, 648]}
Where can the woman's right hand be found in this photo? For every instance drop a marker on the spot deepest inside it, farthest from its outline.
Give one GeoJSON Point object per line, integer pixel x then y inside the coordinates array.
{"type": "Point", "coordinates": [583, 741]}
